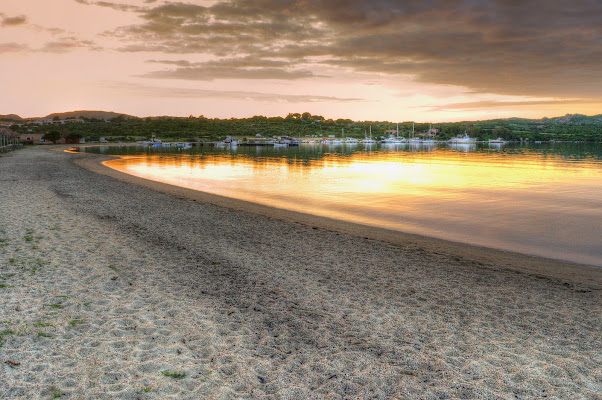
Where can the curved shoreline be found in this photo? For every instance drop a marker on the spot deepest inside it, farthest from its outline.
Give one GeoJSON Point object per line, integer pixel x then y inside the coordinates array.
{"type": "Point", "coordinates": [116, 287]}
{"type": "Point", "coordinates": [576, 274]}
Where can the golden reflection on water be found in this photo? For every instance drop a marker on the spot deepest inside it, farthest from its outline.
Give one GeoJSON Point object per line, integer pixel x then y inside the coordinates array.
{"type": "Point", "coordinates": [532, 203]}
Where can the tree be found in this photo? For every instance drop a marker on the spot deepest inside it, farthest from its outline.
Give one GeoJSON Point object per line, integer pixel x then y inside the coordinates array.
{"type": "Point", "coordinates": [502, 132]}
{"type": "Point", "coordinates": [75, 136]}
{"type": "Point", "coordinates": [53, 136]}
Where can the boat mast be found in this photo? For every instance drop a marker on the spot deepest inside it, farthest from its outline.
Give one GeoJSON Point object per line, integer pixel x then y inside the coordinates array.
{"type": "Point", "coordinates": [397, 130]}
{"type": "Point", "coordinates": [412, 130]}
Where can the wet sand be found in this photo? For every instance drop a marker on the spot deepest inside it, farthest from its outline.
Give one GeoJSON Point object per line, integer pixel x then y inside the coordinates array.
{"type": "Point", "coordinates": [116, 287]}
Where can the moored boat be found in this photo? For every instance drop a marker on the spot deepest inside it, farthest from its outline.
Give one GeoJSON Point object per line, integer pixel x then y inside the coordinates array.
{"type": "Point", "coordinates": [462, 139]}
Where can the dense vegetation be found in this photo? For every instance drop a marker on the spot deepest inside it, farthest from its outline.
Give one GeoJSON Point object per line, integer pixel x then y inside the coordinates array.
{"type": "Point", "coordinates": [570, 128]}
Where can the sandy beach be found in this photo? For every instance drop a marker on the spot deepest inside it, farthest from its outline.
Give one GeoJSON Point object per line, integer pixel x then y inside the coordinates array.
{"type": "Point", "coordinates": [116, 287]}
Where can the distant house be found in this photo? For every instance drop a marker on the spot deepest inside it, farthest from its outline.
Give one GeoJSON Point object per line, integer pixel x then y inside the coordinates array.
{"type": "Point", "coordinates": [31, 138]}
{"type": "Point", "coordinates": [431, 133]}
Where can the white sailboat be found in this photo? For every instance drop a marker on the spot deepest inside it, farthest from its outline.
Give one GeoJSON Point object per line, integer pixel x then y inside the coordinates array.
{"type": "Point", "coordinates": [395, 139]}
{"type": "Point", "coordinates": [369, 140]}
{"type": "Point", "coordinates": [429, 141]}
{"type": "Point", "coordinates": [414, 139]}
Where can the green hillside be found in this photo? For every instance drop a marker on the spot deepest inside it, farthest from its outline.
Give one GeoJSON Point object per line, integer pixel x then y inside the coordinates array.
{"type": "Point", "coordinates": [122, 127]}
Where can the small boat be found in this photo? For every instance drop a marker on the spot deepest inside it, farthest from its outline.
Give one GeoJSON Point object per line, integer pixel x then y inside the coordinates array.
{"type": "Point", "coordinates": [462, 139]}
{"type": "Point", "coordinates": [394, 140]}
{"type": "Point", "coordinates": [153, 142]}
{"type": "Point", "coordinates": [369, 140]}
{"type": "Point", "coordinates": [289, 141]}
{"type": "Point", "coordinates": [228, 142]}
{"type": "Point", "coordinates": [414, 140]}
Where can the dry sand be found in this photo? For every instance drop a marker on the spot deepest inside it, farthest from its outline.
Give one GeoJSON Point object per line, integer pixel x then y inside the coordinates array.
{"type": "Point", "coordinates": [114, 287]}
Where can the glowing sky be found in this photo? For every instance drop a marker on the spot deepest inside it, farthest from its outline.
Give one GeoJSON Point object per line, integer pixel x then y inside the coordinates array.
{"type": "Point", "coordinates": [424, 60]}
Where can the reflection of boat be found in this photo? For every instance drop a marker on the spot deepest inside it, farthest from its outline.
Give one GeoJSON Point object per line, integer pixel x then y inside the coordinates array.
{"type": "Point", "coordinates": [497, 141]}
{"type": "Point", "coordinates": [462, 139]}
{"type": "Point", "coordinates": [465, 147]}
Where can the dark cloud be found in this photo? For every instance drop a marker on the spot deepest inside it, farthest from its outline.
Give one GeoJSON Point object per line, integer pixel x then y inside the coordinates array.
{"type": "Point", "coordinates": [12, 47]}
{"type": "Point", "coordinates": [13, 21]}
{"type": "Point", "coordinates": [533, 48]}
{"type": "Point", "coordinates": [115, 6]}
{"type": "Point", "coordinates": [477, 105]}
{"type": "Point", "coordinates": [231, 68]}
{"type": "Point", "coordinates": [208, 73]}
{"type": "Point", "coordinates": [67, 44]}
{"type": "Point", "coordinates": [155, 91]}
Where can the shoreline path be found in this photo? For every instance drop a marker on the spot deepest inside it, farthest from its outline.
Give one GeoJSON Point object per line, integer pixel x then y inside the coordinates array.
{"type": "Point", "coordinates": [112, 289]}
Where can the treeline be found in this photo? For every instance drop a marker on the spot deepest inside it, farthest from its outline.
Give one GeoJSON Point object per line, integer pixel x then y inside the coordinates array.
{"type": "Point", "coordinates": [570, 127]}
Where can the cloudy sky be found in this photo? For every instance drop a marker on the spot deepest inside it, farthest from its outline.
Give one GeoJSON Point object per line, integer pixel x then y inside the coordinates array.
{"type": "Point", "coordinates": [423, 60]}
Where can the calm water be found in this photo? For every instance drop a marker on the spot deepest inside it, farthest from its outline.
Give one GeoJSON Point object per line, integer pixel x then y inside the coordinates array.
{"type": "Point", "coordinates": [542, 199]}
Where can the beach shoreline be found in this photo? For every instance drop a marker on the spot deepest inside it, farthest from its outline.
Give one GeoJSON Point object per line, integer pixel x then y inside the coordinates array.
{"type": "Point", "coordinates": [112, 286]}
{"type": "Point", "coordinates": [580, 274]}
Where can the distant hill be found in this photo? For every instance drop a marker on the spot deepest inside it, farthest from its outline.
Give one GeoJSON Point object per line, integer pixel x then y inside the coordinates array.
{"type": "Point", "coordinates": [88, 114]}
{"type": "Point", "coordinates": [575, 119]}
{"type": "Point", "coordinates": [10, 117]}
{"type": "Point", "coordinates": [102, 115]}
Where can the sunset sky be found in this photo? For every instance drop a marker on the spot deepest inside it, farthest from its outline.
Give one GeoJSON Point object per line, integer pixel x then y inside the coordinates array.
{"type": "Point", "coordinates": [437, 60]}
